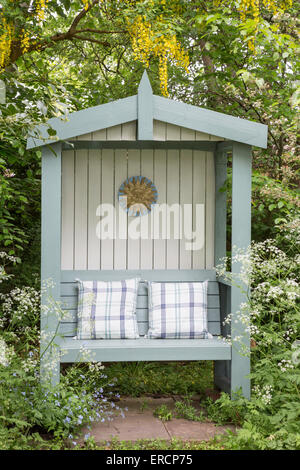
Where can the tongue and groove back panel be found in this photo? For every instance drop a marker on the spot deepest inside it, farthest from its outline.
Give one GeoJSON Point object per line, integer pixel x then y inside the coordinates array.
{"type": "Point", "coordinates": [93, 177]}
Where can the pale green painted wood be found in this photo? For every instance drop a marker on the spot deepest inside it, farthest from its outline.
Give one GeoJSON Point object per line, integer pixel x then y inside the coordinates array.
{"type": "Point", "coordinates": [69, 288]}
{"type": "Point", "coordinates": [210, 122]}
{"type": "Point", "coordinates": [140, 144]}
{"type": "Point", "coordinates": [222, 369]}
{"type": "Point", "coordinates": [87, 120]}
{"type": "Point", "coordinates": [140, 106]}
{"type": "Point", "coordinates": [149, 275]}
{"type": "Point", "coordinates": [146, 350]}
{"type": "Point", "coordinates": [220, 205]}
{"type": "Point", "coordinates": [50, 255]}
{"type": "Point", "coordinates": [145, 109]}
{"type": "Point", "coordinates": [210, 211]}
{"type": "Point", "coordinates": [241, 239]}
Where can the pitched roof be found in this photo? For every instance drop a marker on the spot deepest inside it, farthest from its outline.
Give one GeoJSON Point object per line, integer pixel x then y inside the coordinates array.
{"type": "Point", "coordinates": [144, 107]}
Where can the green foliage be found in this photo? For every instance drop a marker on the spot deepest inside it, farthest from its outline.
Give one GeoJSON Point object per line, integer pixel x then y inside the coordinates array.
{"type": "Point", "coordinates": [29, 408]}
{"type": "Point", "coordinates": [153, 444]}
{"type": "Point", "coordinates": [271, 420]}
{"type": "Point", "coordinates": [140, 378]}
{"type": "Point", "coordinates": [163, 413]}
{"type": "Point", "coordinates": [273, 203]}
{"type": "Point", "coordinates": [185, 410]}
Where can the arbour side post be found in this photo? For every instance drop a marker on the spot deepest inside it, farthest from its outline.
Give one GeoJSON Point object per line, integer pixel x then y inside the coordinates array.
{"type": "Point", "coordinates": [221, 368]}
{"type": "Point", "coordinates": [240, 239]}
{"type": "Point", "coordinates": [50, 257]}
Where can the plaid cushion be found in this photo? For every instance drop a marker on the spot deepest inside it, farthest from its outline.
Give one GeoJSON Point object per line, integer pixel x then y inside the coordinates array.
{"type": "Point", "coordinates": [107, 310]}
{"type": "Point", "coordinates": [178, 310]}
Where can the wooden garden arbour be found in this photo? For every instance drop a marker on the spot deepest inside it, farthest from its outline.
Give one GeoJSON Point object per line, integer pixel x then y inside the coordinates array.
{"type": "Point", "coordinates": [145, 109]}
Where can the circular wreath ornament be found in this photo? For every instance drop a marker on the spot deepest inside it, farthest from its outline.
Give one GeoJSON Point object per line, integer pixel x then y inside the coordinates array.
{"type": "Point", "coordinates": [137, 195]}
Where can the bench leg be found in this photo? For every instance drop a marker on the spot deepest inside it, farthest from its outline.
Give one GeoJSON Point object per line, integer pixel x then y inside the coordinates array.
{"type": "Point", "coordinates": [240, 369]}
{"type": "Point", "coordinates": [222, 376]}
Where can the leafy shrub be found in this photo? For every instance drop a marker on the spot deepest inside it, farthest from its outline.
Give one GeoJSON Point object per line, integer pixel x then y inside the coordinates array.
{"type": "Point", "coordinates": [272, 418]}
{"type": "Point", "coordinates": [83, 396]}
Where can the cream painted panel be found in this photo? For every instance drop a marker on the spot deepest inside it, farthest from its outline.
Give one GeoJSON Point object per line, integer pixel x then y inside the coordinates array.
{"type": "Point", "coordinates": [173, 183]}
{"type": "Point", "coordinates": [146, 261]}
{"type": "Point", "coordinates": [120, 243]}
{"type": "Point", "coordinates": [80, 236]}
{"type": "Point", "coordinates": [94, 199]}
{"type": "Point", "coordinates": [160, 181]}
{"type": "Point", "coordinates": [134, 246]}
{"type": "Point", "coordinates": [107, 197]}
{"type": "Point", "coordinates": [186, 198]}
{"type": "Point", "coordinates": [67, 210]}
{"type": "Point", "coordinates": [199, 187]}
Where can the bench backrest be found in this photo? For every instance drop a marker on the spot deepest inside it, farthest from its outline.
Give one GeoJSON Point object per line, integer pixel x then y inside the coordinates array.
{"type": "Point", "coordinates": [69, 294]}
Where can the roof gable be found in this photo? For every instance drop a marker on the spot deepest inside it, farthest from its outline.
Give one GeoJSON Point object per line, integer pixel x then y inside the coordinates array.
{"type": "Point", "coordinates": [145, 107]}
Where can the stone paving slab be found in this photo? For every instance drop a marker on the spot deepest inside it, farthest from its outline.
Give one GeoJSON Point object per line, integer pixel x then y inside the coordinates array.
{"type": "Point", "coordinates": [193, 430]}
{"type": "Point", "coordinates": [133, 427]}
{"type": "Point", "coordinates": [140, 423]}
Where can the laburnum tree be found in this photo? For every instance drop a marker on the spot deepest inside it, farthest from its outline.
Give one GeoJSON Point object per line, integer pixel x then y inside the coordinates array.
{"type": "Point", "coordinates": [153, 25]}
{"type": "Point", "coordinates": [234, 56]}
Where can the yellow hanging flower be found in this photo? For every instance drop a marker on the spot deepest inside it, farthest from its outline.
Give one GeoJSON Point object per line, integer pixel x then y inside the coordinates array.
{"type": "Point", "coordinates": [146, 43]}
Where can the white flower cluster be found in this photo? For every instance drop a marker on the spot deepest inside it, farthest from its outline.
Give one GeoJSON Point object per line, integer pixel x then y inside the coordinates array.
{"type": "Point", "coordinates": [6, 353]}
{"type": "Point", "coordinates": [96, 366]}
{"type": "Point", "coordinates": [285, 364]}
{"type": "Point", "coordinates": [20, 303]}
{"type": "Point", "coordinates": [264, 393]}
{"type": "Point", "coordinates": [293, 230]}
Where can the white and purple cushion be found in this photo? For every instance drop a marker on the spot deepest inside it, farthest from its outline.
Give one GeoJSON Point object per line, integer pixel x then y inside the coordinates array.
{"type": "Point", "coordinates": [107, 309]}
{"type": "Point", "coordinates": [178, 310]}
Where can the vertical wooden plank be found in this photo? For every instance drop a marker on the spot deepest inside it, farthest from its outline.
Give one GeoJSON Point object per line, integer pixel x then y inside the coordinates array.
{"type": "Point", "coordinates": [50, 257]}
{"type": "Point", "coordinates": [146, 245]}
{"type": "Point", "coordinates": [67, 210]}
{"type": "Point", "coordinates": [133, 250]}
{"type": "Point", "coordinates": [81, 184]}
{"type": "Point", "coordinates": [173, 198]}
{"type": "Point", "coordinates": [220, 224]}
{"type": "Point", "coordinates": [201, 136]}
{"type": "Point", "coordinates": [114, 133]}
{"type": "Point", "coordinates": [210, 210]}
{"type": "Point", "coordinates": [129, 131]}
{"type": "Point", "coordinates": [85, 136]}
{"type": "Point", "coordinates": [120, 244]}
{"type": "Point", "coordinates": [159, 130]}
{"type": "Point", "coordinates": [173, 132]}
{"type": "Point", "coordinates": [199, 189]}
{"type": "Point", "coordinates": [159, 245]}
{"type": "Point", "coordinates": [99, 135]}
{"type": "Point", "coordinates": [186, 197]}
{"type": "Point", "coordinates": [145, 109]}
{"type": "Point", "coordinates": [107, 197]}
{"type": "Point", "coordinates": [214, 138]}
{"type": "Point", "coordinates": [240, 239]}
{"type": "Point", "coordinates": [187, 134]}
{"type": "Point", "coordinates": [94, 199]}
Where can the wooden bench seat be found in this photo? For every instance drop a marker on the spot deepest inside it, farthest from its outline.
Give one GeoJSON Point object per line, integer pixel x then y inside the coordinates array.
{"type": "Point", "coordinates": [144, 349]}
